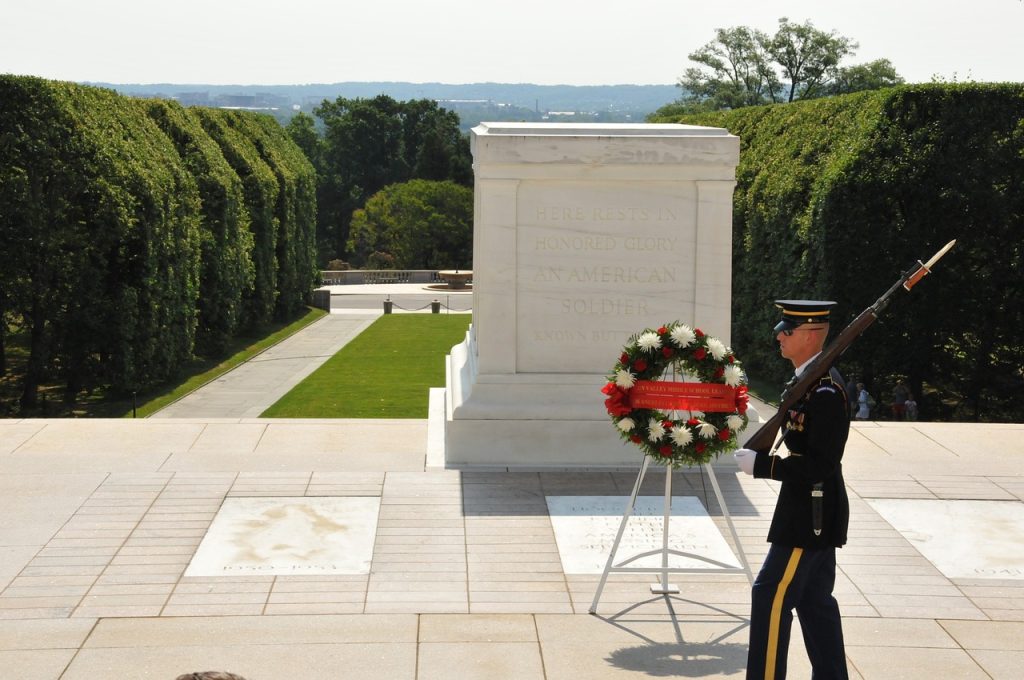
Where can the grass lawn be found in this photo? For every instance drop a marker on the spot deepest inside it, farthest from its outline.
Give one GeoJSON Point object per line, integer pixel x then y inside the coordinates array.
{"type": "Point", "coordinates": [385, 372]}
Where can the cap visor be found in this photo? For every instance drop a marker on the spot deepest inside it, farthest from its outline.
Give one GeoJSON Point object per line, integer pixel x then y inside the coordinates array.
{"type": "Point", "coordinates": [784, 326]}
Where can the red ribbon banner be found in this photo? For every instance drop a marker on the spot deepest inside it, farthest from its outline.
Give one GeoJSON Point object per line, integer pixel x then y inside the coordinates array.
{"type": "Point", "coordinates": [680, 396]}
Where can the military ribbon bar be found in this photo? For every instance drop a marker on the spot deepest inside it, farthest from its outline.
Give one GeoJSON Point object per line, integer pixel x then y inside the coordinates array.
{"type": "Point", "coordinates": [682, 396]}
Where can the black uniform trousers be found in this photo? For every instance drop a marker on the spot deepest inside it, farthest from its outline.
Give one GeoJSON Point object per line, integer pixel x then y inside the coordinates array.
{"type": "Point", "coordinates": [801, 579]}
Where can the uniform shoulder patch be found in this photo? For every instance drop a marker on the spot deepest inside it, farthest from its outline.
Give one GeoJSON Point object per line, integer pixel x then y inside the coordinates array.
{"type": "Point", "coordinates": [826, 388]}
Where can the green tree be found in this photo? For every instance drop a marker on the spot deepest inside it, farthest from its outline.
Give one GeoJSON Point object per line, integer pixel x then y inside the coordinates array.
{"type": "Point", "coordinates": [737, 70]}
{"type": "Point", "coordinates": [420, 224]}
{"type": "Point", "coordinates": [808, 56]}
{"type": "Point", "coordinates": [362, 143]}
{"type": "Point", "coordinates": [743, 66]}
{"type": "Point", "coordinates": [302, 129]}
{"type": "Point", "coordinates": [873, 75]}
{"type": "Point", "coordinates": [371, 143]}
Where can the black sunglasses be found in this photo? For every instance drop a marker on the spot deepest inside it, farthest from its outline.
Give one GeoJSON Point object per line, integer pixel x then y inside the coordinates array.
{"type": "Point", "coordinates": [789, 331]}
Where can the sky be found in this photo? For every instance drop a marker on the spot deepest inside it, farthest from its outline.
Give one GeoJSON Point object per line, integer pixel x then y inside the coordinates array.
{"type": "Point", "coordinates": [572, 42]}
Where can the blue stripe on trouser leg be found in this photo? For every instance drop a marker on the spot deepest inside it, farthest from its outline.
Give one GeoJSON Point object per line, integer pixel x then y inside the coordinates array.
{"type": "Point", "coordinates": [792, 578]}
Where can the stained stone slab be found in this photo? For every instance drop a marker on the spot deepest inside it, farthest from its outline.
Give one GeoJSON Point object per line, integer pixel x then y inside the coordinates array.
{"type": "Point", "coordinates": [289, 537]}
{"type": "Point", "coordinates": [963, 539]}
{"type": "Point", "coordinates": [585, 529]}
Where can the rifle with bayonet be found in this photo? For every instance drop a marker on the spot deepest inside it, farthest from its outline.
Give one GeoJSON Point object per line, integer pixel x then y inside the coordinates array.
{"type": "Point", "coordinates": [762, 440]}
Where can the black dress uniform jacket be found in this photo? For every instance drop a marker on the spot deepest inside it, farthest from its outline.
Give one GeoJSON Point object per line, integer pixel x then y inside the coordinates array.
{"type": "Point", "coordinates": [815, 429]}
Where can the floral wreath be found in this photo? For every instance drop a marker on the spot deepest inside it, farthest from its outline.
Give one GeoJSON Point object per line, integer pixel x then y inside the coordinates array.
{"type": "Point", "coordinates": [715, 407]}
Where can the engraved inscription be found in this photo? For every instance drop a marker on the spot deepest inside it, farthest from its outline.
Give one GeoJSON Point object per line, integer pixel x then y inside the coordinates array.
{"type": "Point", "coordinates": [601, 259]}
{"type": "Point", "coordinates": [585, 528]}
{"type": "Point", "coordinates": [604, 214]}
{"type": "Point", "coordinates": [605, 306]}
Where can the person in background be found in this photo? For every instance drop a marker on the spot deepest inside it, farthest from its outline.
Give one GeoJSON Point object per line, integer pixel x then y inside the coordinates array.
{"type": "Point", "coordinates": [210, 675]}
{"type": "Point", "coordinates": [911, 407]}
{"type": "Point", "coordinates": [899, 400]}
{"type": "Point", "coordinates": [851, 396]}
{"type": "Point", "coordinates": [812, 513]}
{"type": "Point", "coordinates": [863, 403]}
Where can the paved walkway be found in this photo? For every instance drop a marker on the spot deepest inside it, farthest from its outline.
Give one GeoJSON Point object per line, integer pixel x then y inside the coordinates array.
{"type": "Point", "coordinates": [102, 517]}
{"type": "Point", "coordinates": [250, 388]}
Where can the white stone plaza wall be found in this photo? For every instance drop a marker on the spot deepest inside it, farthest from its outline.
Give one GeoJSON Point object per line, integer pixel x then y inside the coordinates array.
{"type": "Point", "coordinates": [583, 235]}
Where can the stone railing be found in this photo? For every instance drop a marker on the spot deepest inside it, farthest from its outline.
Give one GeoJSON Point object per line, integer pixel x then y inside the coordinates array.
{"type": "Point", "coordinates": [369, 276]}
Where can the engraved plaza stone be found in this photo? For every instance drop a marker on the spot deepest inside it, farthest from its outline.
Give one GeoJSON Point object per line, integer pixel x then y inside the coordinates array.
{"type": "Point", "coordinates": [962, 538]}
{"type": "Point", "coordinates": [585, 529]}
{"type": "Point", "coordinates": [583, 235]}
{"type": "Point", "coordinates": [289, 537]}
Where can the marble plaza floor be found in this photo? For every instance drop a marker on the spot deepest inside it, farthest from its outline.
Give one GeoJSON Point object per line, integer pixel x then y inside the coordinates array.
{"type": "Point", "coordinates": [102, 519]}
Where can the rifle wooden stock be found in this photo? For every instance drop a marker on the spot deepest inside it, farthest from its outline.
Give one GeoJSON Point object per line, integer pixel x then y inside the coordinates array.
{"type": "Point", "coordinates": [764, 438]}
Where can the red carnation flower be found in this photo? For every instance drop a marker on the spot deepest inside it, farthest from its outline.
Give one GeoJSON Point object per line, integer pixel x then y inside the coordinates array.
{"type": "Point", "coordinates": [692, 422]}
{"type": "Point", "coordinates": [665, 451]}
{"type": "Point", "coordinates": [640, 365]}
{"type": "Point", "coordinates": [700, 354]}
{"type": "Point", "coordinates": [662, 330]}
{"type": "Point", "coordinates": [667, 351]}
{"type": "Point", "coordinates": [719, 372]}
{"type": "Point", "coordinates": [667, 424]}
{"type": "Point", "coordinates": [635, 438]}
{"type": "Point", "coordinates": [624, 358]}
{"type": "Point", "coordinates": [732, 359]}
{"type": "Point", "coordinates": [698, 332]}
{"type": "Point", "coordinates": [700, 447]}
{"type": "Point", "coordinates": [724, 434]}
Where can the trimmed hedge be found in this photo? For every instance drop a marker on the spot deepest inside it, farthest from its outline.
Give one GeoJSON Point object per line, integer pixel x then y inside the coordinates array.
{"type": "Point", "coordinates": [261, 189]}
{"type": "Point", "coordinates": [127, 230]}
{"type": "Point", "coordinates": [297, 272]}
{"type": "Point", "coordinates": [226, 242]}
{"type": "Point", "coordinates": [101, 236]}
{"type": "Point", "coordinates": [836, 197]}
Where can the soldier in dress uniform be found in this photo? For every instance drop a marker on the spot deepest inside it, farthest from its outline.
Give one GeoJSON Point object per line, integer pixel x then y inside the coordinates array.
{"type": "Point", "coordinates": [811, 515]}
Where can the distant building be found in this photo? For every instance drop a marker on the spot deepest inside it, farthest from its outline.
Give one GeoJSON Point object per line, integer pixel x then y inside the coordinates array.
{"type": "Point", "coordinates": [193, 98]}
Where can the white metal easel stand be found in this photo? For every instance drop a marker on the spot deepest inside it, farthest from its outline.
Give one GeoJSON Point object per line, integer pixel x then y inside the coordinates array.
{"type": "Point", "coordinates": [664, 587]}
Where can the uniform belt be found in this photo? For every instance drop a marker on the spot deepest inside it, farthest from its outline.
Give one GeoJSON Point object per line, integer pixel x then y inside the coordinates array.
{"type": "Point", "coordinates": [817, 500]}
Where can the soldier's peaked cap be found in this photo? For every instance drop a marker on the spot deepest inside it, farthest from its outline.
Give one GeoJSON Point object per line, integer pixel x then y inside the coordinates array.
{"type": "Point", "coordinates": [795, 313]}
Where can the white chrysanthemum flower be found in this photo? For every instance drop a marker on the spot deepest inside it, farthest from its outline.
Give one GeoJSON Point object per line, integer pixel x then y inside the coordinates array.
{"type": "Point", "coordinates": [734, 422]}
{"type": "Point", "coordinates": [654, 430]}
{"type": "Point", "coordinates": [707, 430]}
{"type": "Point", "coordinates": [681, 436]}
{"type": "Point", "coordinates": [733, 376]}
{"type": "Point", "coordinates": [649, 341]}
{"type": "Point", "coordinates": [717, 348]}
{"type": "Point", "coordinates": [627, 424]}
{"type": "Point", "coordinates": [683, 335]}
{"type": "Point", "coordinates": [624, 379]}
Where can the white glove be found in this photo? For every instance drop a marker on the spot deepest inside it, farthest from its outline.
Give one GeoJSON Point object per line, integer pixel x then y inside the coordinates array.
{"type": "Point", "coordinates": [745, 459]}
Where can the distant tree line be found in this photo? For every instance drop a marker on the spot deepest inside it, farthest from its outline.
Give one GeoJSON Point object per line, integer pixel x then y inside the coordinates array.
{"type": "Point", "coordinates": [361, 146]}
{"type": "Point", "coordinates": [836, 197]}
{"type": "Point", "coordinates": [138, 233]}
{"type": "Point", "coordinates": [744, 66]}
